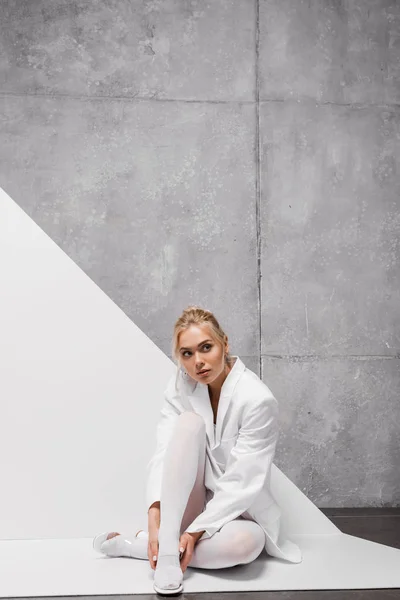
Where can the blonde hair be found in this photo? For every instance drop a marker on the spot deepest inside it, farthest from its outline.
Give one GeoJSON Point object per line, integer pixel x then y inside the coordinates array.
{"type": "Point", "coordinates": [195, 315]}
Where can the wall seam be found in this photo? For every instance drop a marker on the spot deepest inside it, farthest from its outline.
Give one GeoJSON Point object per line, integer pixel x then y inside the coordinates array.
{"type": "Point", "coordinates": [258, 181]}
{"type": "Point", "coordinates": [303, 100]}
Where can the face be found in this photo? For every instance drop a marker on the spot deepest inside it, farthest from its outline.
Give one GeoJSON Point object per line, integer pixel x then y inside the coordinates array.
{"type": "Point", "coordinates": [199, 351]}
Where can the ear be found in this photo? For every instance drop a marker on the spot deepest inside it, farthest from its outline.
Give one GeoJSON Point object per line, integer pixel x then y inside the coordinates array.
{"type": "Point", "coordinates": [226, 344]}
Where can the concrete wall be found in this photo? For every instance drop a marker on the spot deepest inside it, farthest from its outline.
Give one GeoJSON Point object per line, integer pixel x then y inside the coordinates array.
{"type": "Point", "coordinates": [242, 155]}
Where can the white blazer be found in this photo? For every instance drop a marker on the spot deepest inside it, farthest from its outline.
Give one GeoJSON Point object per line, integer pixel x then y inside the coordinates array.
{"type": "Point", "coordinates": [238, 457]}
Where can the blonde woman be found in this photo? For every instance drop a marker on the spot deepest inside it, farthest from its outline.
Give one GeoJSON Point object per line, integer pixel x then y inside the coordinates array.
{"type": "Point", "coordinates": [208, 485]}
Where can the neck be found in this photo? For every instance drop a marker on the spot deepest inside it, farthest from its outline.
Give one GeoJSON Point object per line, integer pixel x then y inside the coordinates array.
{"type": "Point", "coordinates": [215, 387]}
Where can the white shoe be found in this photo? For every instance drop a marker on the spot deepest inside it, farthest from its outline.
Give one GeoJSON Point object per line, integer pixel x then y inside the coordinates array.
{"type": "Point", "coordinates": [99, 540]}
{"type": "Point", "coordinates": [167, 592]}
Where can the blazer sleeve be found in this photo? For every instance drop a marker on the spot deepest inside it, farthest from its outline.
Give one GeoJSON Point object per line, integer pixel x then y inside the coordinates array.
{"type": "Point", "coordinates": [165, 427]}
{"type": "Point", "coordinates": [247, 468]}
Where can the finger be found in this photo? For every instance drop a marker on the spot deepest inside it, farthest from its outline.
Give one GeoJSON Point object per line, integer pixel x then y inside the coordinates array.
{"type": "Point", "coordinates": [187, 557]}
{"type": "Point", "coordinates": [181, 549]}
{"type": "Point", "coordinates": [153, 554]}
{"type": "Point", "coordinates": [185, 562]}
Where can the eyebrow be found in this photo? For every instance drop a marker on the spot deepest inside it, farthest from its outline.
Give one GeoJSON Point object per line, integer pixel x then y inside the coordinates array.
{"type": "Point", "coordinates": [198, 345]}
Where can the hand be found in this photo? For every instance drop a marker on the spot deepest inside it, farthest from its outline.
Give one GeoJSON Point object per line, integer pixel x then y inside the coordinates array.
{"type": "Point", "coordinates": [153, 527]}
{"type": "Point", "coordinates": [188, 541]}
{"type": "Point", "coordinates": [152, 547]}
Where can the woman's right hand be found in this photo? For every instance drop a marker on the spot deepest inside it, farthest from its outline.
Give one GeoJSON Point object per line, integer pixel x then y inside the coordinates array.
{"type": "Point", "coordinates": [152, 548]}
{"type": "Point", "coordinates": [153, 529]}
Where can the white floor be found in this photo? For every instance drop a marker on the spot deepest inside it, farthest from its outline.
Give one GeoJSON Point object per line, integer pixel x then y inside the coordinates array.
{"type": "Point", "coordinates": [71, 567]}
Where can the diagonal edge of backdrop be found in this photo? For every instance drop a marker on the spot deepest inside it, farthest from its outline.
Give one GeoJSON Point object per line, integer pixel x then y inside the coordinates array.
{"type": "Point", "coordinates": [81, 388]}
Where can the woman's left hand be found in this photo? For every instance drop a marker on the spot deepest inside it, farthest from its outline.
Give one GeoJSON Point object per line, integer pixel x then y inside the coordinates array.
{"type": "Point", "coordinates": [187, 542]}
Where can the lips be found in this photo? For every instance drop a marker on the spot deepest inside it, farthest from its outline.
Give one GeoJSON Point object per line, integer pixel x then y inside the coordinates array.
{"type": "Point", "coordinates": [202, 372]}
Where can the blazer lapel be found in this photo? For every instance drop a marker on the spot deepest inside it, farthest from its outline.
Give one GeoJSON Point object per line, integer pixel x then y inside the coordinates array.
{"type": "Point", "coordinates": [199, 398]}
{"type": "Point", "coordinates": [200, 401]}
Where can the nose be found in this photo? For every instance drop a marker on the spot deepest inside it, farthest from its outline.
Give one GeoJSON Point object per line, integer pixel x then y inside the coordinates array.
{"type": "Point", "coordinates": [199, 361]}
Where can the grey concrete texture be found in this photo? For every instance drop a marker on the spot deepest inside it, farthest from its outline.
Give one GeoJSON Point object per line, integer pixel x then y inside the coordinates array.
{"type": "Point", "coordinates": [339, 427]}
{"type": "Point", "coordinates": [176, 49]}
{"type": "Point", "coordinates": [336, 51]}
{"type": "Point", "coordinates": [153, 141]}
{"type": "Point", "coordinates": [331, 223]}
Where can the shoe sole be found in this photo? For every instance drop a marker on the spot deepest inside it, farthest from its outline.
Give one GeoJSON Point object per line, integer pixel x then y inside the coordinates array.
{"type": "Point", "coordinates": [167, 592]}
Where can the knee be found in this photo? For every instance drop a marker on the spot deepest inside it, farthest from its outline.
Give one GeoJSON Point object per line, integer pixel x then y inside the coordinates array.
{"type": "Point", "coordinates": [192, 422]}
{"type": "Point", "coordinates": [249, 543]}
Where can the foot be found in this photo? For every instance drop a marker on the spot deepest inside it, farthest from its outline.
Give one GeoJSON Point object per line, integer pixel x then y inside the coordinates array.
{"type": "Point", "coordinates": [111, 535]}
{"type": "Point", "coordinates": [111, 546]}
{"type": "Point", "coordinates": [168, 575]}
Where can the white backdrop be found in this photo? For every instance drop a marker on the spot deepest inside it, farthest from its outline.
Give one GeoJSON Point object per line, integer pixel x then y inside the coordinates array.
{"type": "Point", "coordinates": [81, 387]}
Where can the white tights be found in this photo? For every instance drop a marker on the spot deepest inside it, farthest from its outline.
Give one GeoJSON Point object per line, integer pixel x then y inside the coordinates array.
{"type": "Point", "coordinates": [182, 499]}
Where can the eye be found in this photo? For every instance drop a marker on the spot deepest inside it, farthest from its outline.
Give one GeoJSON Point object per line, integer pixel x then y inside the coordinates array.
{"type": "Point", "coordinates": [204, 346]}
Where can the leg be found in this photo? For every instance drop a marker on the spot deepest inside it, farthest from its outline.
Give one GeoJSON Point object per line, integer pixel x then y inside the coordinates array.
{"type": "Point", "coordinates": [183, 477]}
{"type": "Point", "coordinates": [182, 494]}
{"type": "Point", "coordinates": [182, 490]}
{"type": "Point", "coordinates": [237, 543]}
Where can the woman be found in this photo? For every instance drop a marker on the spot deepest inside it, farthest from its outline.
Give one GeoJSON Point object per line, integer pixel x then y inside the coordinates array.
{"type": "Point", "coordinates": [209, 477]}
